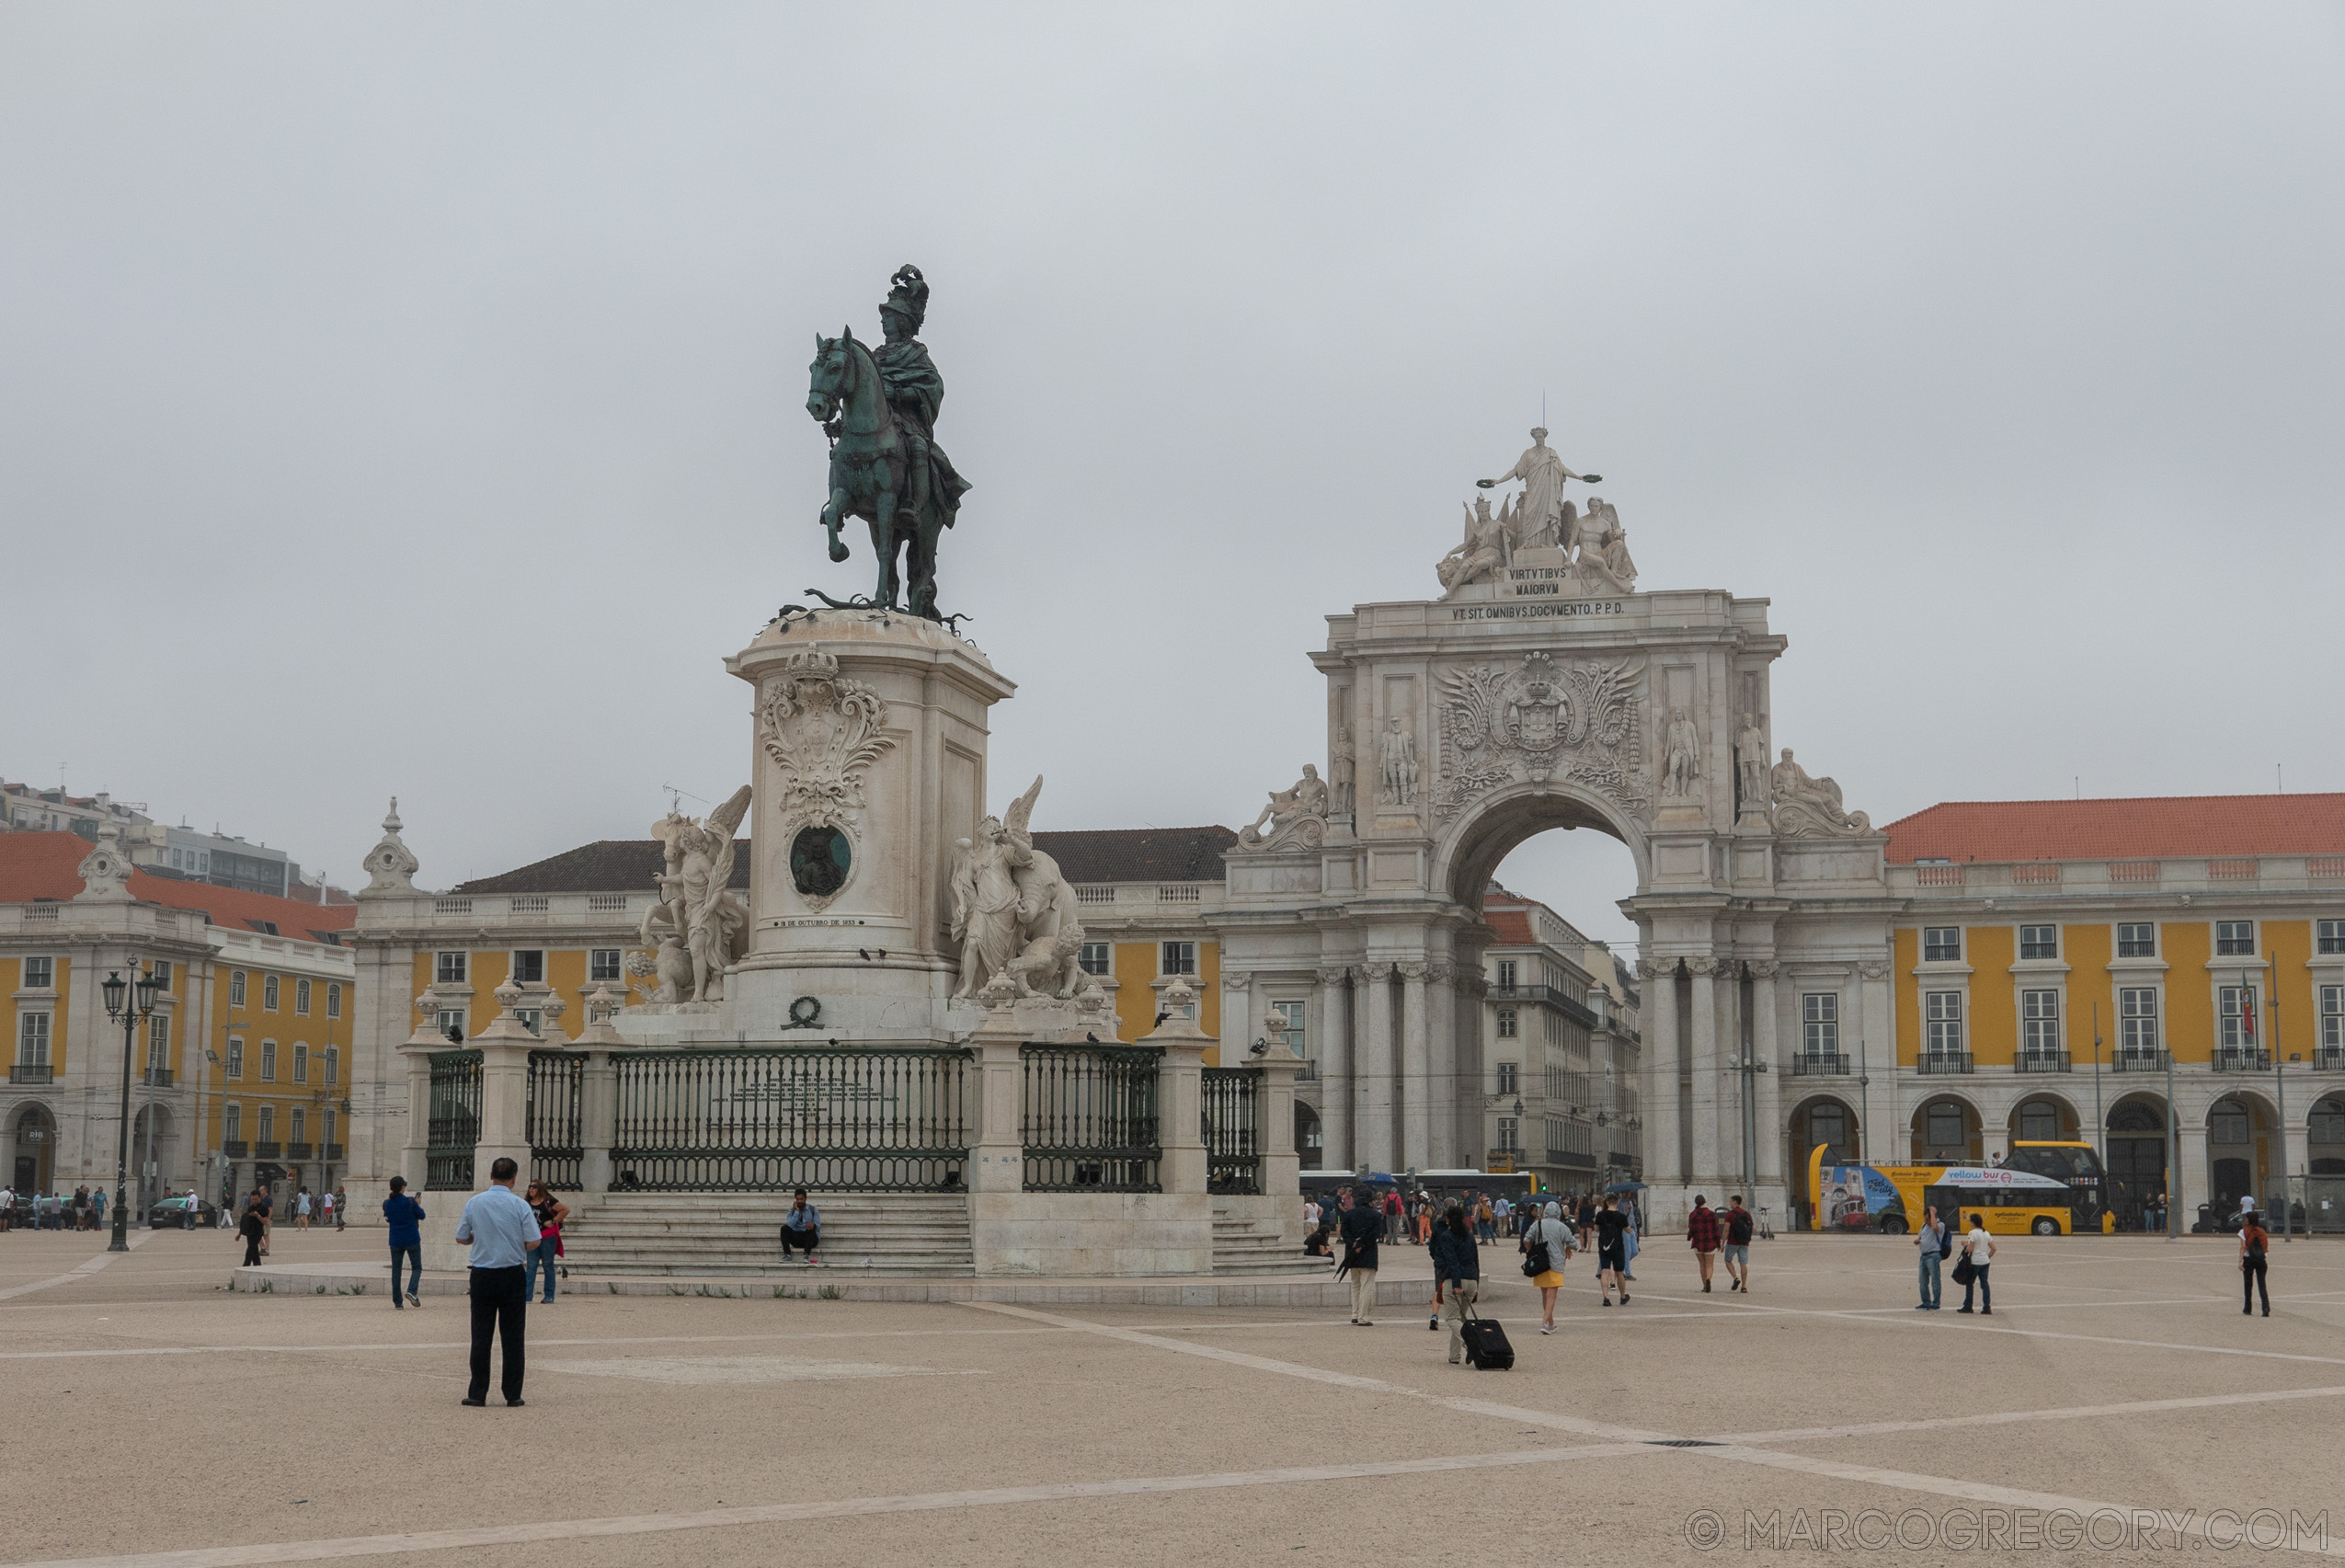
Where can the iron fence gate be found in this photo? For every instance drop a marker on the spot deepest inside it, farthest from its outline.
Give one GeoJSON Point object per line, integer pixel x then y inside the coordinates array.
{"type": "Point", "coordinates": [760, 1120]}
{"type": "Point", "coordinates": [1088, 1119]}
{"type": "Point", "coordinates": [452, 1125]}
{"type": "Point", "coordinates": [557, 1142]}
{"type": "Point", "coordinates": [1232, 1137]}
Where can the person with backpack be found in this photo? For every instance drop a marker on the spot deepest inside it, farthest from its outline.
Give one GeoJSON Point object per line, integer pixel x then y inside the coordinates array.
{"type": "Point", "coordinates": [1931, 1240]}
{"type": "Point", "coordinates": [1612, 1250]}
{"type": "Point", "coordinates": [2255, 1249]}
{"type": "Point", "coordinates": [1546, 1244]}
{"type": "Point", "coordinates": [1362, 1228]}
{"type": "Point", "coordinates": [1978, 1251]}
{"type": "Point", "coordinates": [1702, 1231]}
{"type": "Point", "coordinates": [1457, 1273]}
{"type": "Point", "coordinates": [1739, 1224]}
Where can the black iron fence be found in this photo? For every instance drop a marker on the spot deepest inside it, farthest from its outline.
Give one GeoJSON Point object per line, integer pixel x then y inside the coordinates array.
{"type": "Point", "coordinates": [553, 1116]}
{"type": "Point", "coordinates": [452, 1129]}
{"type": "Point", "coordinates": [1232, 1129]}
{"type": "Point", "coordinates": [760, 1120]}
{"type": "Point", "coordinates": [1089, 1119]}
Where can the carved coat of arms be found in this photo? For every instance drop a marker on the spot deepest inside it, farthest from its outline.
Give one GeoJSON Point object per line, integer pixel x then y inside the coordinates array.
{"type": "Point", "coordinates": [1540, 721]}
{"type": "Point", "coordinates": [823, 731]}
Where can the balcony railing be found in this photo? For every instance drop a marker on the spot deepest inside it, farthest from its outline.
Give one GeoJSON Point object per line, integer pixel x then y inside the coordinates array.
{"type": "Point", "coordinates": [2239, 1060]}
{"type": "Point", "coordinates": [1942, 1062]}
{"type": "Point", "coordinates": [156, 1078]}
{"type": "Point", "coordinates": [31, 1073]}
{"type": "Point", "coordinates": [329, 1151]}
{"type": "Point", "coordinates": [1551, 996]}
{"type": "Point", "coordinates": [298, 1150]}
{"type": "Point", "coordinates": [236, 1149]}
{"type": "Point", "coordinates": [1819, 1064]}
{"type": "Point", "coordinates": [266, 1150]}
{"type": "Point", "coordinates": [2040, 1061]}
{"type": "Point", "coordinates": [2138, 1061]}
{"type": "Point", "coordinates": [2328, 1058]}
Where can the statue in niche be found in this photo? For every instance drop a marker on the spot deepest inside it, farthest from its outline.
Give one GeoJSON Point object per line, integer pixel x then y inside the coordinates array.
{"type": "Point", "coordinates": [1483, 555]}
{"type": "Point", "coordinates": [1809, 807]}
{"type": "Point", "coordinates": [1750, 763]}
{"type": "Point", "coordinates": [1298, 813]}
{"type": "Point", "coordinates": [1011, 903]}
{"type": "Point", "coordinates": [1538, 520]}
{"type": "Point", "coordinates": [706, 925]}
{"type": "Point", "coordinates": [1603, 565]}
{"type": "Point", "coordinates": [1342, 768]}
{"type": "Point", "coordinates": [1396, 760]}
{"type": "Point", "coordinates": [1682, 746]}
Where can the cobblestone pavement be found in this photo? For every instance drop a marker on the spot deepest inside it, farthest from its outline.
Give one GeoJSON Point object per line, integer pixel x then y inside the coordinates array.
{"type": "Point", "coordinates": [2117, 1407]}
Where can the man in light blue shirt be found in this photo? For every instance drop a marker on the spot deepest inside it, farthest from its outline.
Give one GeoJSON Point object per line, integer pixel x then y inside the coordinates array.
{"type": "Point", "coordinates": [501, 1230]}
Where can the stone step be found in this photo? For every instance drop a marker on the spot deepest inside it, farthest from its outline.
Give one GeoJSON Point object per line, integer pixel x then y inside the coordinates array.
{"type": "Point", "coordinates": [738, 1235]}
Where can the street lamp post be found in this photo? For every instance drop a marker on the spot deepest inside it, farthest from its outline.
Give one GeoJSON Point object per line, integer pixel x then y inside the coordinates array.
{"type": "Point", "coordinates": [128, 1004]}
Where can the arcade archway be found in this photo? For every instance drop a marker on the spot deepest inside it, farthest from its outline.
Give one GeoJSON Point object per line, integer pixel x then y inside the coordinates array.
{"type": "Point", "coordinates": [2137, 1157]}
{"type": "Point", "coordinates": [1947, 1132]}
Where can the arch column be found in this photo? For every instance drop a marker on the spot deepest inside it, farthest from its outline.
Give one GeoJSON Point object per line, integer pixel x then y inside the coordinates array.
{"type": "Point", "coordinates": [1416, 1069]}
{"type": "Point", "coordinates": [1662, 1167]}
{"type": "Point", "coordinates": [1333, 1029]}
{"type": "Point", "coordinates": [1372, 1072]}
{"type": "Point", "coordinates": [1441, 1083]}
{"type": "Point", "coordinates": [1707, 1105]}
{"type": "Point", "coordinates": [1769, 1090]}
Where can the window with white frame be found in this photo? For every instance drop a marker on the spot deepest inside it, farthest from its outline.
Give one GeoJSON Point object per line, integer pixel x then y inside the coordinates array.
{"type": "Point", "coordinates": [32, 1039]}
{"type": "Point", "coordinates": [1097, 958]}
{"type": "Point", "coordinates": [602, 964]}
{"type": "Point", "coordinates": [1507, 1022]}
{"type": "Point", "coordinates": [1942, 1021]}
{"type": "Point", "coordinates": [2040, 1022]}
{"type": "Point", "coordinates": [269, 993]}
{"type": "Point", "coordinates": [1293, 1013]}
{"type": "Point", "coordinates": [326, 1133]}
{"type": "Point", "coordinates": [235, 987]}
{"type": "Point", "coordinates": [333, 1000]}
{"type": "Point", "coordinates": [1820, 1023]}
{"type": "Point", "coordinates": [300, 1063]}
{"type": "Point", "coordinates": [2236, 1017]}
{"type": "Point", "coordinates": [1510, 1077]}
{"type": "Point", "coordinates": [1507, 974]}
{"type": "Point", "coordinates": [1510, 1137]}
{"type": "Point", "coordinates": [1941, 944]}
{"type": "Point", "coordinates": [2137, 1020]}
{"type": "Point", "coordinates": [268, 1123]}
{"type": "Point", "coordinates": [269, 1061]}
{"type": "Point", "coordinates": [1176, 958]}
{"type": "Point", "coordinates": [532, 1019]}
{"type": "Point", "coordinates": [41, 974]}
{"type": "Point", "coordinates": [2038, 942]}
{"type": "Point", "coordinates": [235, 1056]}
{"type": "Point", "coordinates": [2234, 939]}
{"type": "Point", "coordinates": [300, 998]}
{"type": "Point", "coordinates": [2328, 937]}
{"type": "Point", "coordinates": [161, 970]}
{"type": "Point", "coordinates": [452, 968]}
{"type": "Point", "coordinates": [529, 966]}
{"type": "Point", "coordinates": [300, 1130]}
{"type": "Point", "coordinates": [158, 1041]}
{"type": "Point", "coordinates": [450, 1023]}
{"type": "Point", "coordinates": [2138, 941]}
{"type": "Point", "coordinates": [2333, 1018]}
{"type": "Point", "coordinates": [333, 1065]}
{"type": "Point", "coordinates": [232, 1123]}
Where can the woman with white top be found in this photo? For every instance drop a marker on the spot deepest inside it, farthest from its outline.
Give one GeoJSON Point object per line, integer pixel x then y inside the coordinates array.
{"type": "Point", "coordinates": [1550, 1237]}
{"type": "Point", "coordinates": [1982, 1253]}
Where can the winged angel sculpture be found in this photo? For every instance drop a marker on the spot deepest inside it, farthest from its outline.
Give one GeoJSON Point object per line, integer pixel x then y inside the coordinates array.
{"type": "Point", "coordinates": [1014, 913]}
{"type": "Point", "coordinates": [706, 927]}
{"type": "Point", "coordinates": [1579, 721]}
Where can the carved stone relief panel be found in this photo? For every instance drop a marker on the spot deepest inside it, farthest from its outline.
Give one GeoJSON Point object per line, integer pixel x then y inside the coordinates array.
{"type": "Point", "coordinates": [1543, 720]}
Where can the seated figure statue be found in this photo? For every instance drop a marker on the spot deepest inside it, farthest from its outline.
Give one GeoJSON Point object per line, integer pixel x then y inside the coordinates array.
{"type": "Point", "coordinates": [1603, 565]}
{"type": "Point", "coordinates": [1299, 813]}
{"type": "Point", "coordinates": [1809, 807]}
{"type": "Point", "coordinates": [1483, 552]}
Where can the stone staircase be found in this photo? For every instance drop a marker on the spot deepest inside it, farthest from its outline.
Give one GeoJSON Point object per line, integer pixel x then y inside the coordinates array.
{"type": "Point", "coordinates": [1242, 1246]}
{"type": "Point", "coordinates": [712, 1234]}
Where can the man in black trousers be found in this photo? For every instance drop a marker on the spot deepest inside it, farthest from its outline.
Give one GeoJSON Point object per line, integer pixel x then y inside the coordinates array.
{"type": "Point", "coordinates": [501, 1230]}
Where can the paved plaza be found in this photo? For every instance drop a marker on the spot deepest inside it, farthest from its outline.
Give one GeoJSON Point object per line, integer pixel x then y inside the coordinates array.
{"type": "Point", "coordinates": [187, 1425]}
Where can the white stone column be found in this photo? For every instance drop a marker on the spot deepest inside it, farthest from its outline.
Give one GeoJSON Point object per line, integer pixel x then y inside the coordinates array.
{"type": "Point", "coordinates": [1708, 1084]}
{"type": "Point", "coordinates": [1880, 1066]}
{"type": "Point", "coordinates": [1373, 1082]}
{"type": "Point", "coordinates": [1441, 1098]}
{"type": "Point", "coordinates": [1330, 1030]}
{"type": "Point", "coordinates": [1416, 1081]}
{"type": "Point", "coordinates": [1660, 1020]}
{"type": "Point", "coordinates": [2191, 1162]}
{"type": "Point", "coordinates": [1771, 1131]}
{"type": "Point", "coordinates": [1275, 1136]}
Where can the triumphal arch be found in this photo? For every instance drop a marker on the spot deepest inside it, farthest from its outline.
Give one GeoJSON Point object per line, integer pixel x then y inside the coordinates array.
{"type": "Point", "coordinates": [1544, 687]}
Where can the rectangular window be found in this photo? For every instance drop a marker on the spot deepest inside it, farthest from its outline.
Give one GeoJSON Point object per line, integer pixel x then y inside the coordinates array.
{"type": "Point", "coordinates": [232, 1124]}
{"type": "Point", "coordinates": [235, 987]}
{"type": "Point", "coordinates": [327, 1136]}
{"type": "Point", "coordinates": [1179, 958]}
{"type": "Point", "coordinates": [532, 1019]}
{"type": "Point", "coordinates": [268, 1123]}
{"type": "Point", "coordinates": [2238, 1017]}
{"type": "Point", "coordinates": [1510, 1137]}
{"type": "Point", "coordinates": [1820, 1023]}
{"type": "Point", "coordinates": [1510, 1077]}
{"type": "Point", "coordinates": [2137, 941]}
{"type": "Point", "coordinates": [2138, 1021]}
{"type": "Point", "coordinates": [2040, 1021]}
{"type": "Point", "coordinates": [452, 968]}
{"type": "Point", "coordinates": [269, 1061]}
{"type": "Point", "coordinates": [333, 1065]}
{"type": "Point", "coordinates": [1942, 1014]}
{"type": "Point", "coordinates": [269, 993]}
{"type": "Point", "coordinates": [333, 1000]}
{"type": "Point", "coordinates": [2329, 938]}
{"type": "Point", "coordinates": [1293, 1013]}
{"type": "Point", "coordinates": [1941, 944]}
{"type": "Point", "coordinates": [301, 1125]}
{"type": "Point", "coordinates": [1507, 974]}
{"type": "Point", "coordinates": [602, 964]}
{"type": "Point", "coordinates": [158, 1041]}
{"type": "Point", "coordinates": [300, 998]}
{"type": "Point", "coordinates": [235, 1057]}
{"type": "Point", "coordinates": [2333, 1018]}
{"type": "Point", "coordinates": [2038, 942]}
{"type": "Point", "coordinates": [2234, 939]}
{"type": "Point", "coordinates": [529, 966]}
{"type": "Point", "coordinates": [1506, 1022]}
{"type": "Point", "coordinates": [41, 974]}
{"type": "Point", "coordinates": [32, 1039]}
{"type": "Point", "coordinates": [1097, 958]}
{"type": "Point", "coordinates": [451, 1023]}
{"type": "Point", "coordinates": [300, 1063]}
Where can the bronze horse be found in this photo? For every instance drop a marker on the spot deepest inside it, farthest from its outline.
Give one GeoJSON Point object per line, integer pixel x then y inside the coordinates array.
{"type": "Point", "coordinates": [869, 476]}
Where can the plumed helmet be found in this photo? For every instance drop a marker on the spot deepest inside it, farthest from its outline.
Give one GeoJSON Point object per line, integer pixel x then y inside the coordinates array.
{"type": "Point", "coordinates": [906, 296]}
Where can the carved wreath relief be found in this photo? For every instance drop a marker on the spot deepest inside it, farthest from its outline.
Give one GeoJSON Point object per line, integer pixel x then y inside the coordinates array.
{"type": "Point", "coordinates": [823, 731]}
{"type": "Point", "coordinates": [1543, 721]}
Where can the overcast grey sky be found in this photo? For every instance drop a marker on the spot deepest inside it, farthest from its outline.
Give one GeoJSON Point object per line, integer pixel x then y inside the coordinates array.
{"type": "Point", "coordinates": [409, 398]}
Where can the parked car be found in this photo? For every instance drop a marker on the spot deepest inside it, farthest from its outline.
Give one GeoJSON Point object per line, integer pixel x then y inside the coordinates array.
{"type": "Point", "coordinates": [171, 1214]}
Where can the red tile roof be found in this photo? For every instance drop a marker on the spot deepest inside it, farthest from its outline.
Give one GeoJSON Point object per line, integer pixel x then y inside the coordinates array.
{"type": "Point", "coordinates": [41, 865]}
{"type": "Point", "coordinates": [2177, 826]}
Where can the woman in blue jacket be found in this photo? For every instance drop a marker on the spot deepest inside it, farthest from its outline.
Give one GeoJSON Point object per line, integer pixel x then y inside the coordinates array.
{"type": "Point", "coordinates": [1457, 1264]}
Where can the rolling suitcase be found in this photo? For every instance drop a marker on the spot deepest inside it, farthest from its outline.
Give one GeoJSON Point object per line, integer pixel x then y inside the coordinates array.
{"type": "Point", "coordinates": [1486, 1346]}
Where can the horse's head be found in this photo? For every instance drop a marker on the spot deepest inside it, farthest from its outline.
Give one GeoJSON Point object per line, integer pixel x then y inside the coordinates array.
{"type": "Point", "coordinates": [830, 380]}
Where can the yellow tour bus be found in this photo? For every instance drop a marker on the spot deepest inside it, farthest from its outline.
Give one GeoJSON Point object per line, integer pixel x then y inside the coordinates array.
{"type": "Point", "coordinates": [2043, 1188]}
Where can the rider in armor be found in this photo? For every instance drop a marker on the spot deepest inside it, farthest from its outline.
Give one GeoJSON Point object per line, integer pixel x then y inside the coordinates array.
{"type": "Point", "coordinates": [915, 391]}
